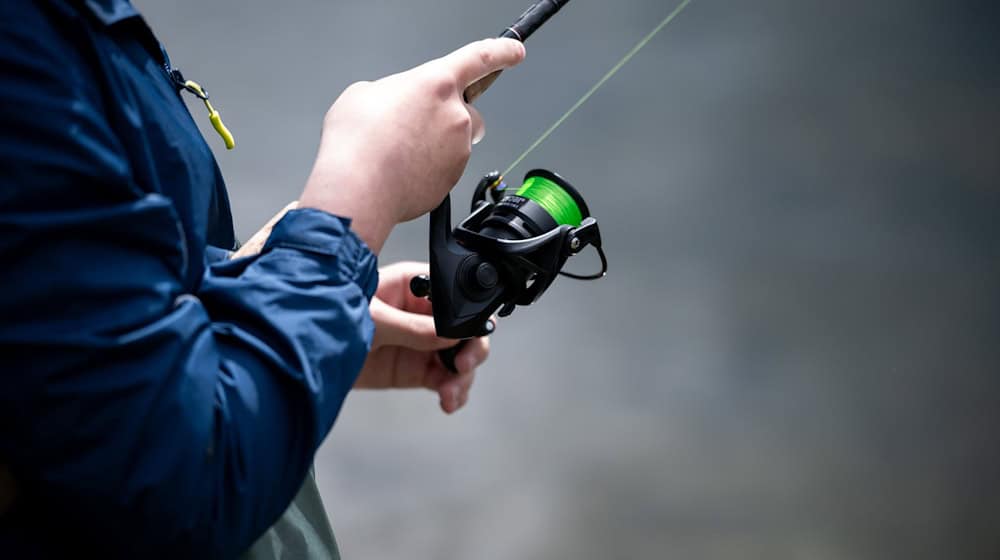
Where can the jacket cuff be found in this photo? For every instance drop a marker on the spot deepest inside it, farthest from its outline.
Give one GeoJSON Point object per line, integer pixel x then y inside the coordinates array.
{"type": "Point", "coordinates": [315, 231]}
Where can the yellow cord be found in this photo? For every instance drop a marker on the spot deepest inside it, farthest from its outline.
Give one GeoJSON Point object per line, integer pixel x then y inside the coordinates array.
{"type": "Point", "coordinates": [213, 115]}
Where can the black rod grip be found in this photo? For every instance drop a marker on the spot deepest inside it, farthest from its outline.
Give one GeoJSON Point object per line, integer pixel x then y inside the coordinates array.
{"type": "Point", "coordinates": [533, 18]}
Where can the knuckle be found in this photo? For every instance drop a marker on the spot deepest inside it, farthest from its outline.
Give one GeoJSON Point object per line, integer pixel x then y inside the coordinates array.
{"type": "Point", "coordinates": [421, 329]}
{"type": "Point", "coordinates": [440, 81]}
{"type": "Point", "coordinates": [443, 89]}
{"type": "Point", "coordinates": [519, 50]}
{"type": "Point", "coordinates": [464, 119]}
{"type": "Point", "coordinates": [486, 56]}
{"type": "Point", "coordinates": [404, 268]}
{"type": "Point", "coordinates": [464, 152]}
{"type": "Point", "coordinates": [357, 89]}
{"type": "Point", "coordinates": [459, 117]}
{"type": "Point", "coordinates": [410, 378]}
{"type": "Point", "coordinates": [358, 86]}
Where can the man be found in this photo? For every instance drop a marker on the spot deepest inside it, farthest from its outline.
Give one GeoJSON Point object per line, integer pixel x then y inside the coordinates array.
{"type": "Point", "coordinates": [157, 398]}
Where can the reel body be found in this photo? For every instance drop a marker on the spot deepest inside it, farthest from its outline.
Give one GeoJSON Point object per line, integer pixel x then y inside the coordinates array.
{"type": "Point", "coordinates": [506, 253]}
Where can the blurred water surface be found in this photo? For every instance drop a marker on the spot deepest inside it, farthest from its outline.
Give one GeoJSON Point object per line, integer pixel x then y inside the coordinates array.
{"type": "Point", "coordinates": [796, 353]}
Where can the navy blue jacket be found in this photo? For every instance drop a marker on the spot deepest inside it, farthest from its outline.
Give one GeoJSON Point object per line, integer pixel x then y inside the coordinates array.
{"type": "Point", "coordinates": [155, 400]}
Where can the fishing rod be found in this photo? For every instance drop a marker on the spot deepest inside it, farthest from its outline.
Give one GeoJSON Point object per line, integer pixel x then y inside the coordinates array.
{"type": "Point", "coordinates": [527, 23]}
{"type": "Point", "coordinates": [515, 242]}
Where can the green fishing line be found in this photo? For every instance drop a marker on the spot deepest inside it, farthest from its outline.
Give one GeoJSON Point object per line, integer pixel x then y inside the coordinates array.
{"type": "Point", "coordinates": [554, 199]}
{"type": "Point", "coordinates": [590, 93]}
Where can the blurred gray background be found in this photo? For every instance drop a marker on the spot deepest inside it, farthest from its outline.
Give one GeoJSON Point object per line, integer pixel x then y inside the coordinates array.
{"type": "Point", "coordinates": [796, 353]}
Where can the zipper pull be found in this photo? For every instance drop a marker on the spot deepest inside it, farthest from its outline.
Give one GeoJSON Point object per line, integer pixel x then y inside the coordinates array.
{"type": "Point", "coordinates": [213, 115]}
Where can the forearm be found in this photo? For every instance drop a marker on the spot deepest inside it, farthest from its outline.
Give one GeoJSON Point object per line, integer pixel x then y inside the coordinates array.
{"type": "Point", "coordinates": [352, 189]}
{"type": "Point", "coordinates": [191, 428]}
{"type": "Point", "coordinates": [293, 329]}
{"type": "Point", "coordinates": [255, 244]}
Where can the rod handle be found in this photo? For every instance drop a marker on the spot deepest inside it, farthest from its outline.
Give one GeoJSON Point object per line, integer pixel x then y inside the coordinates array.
{"type": "Point", "coordinates": [524, 27]}
{"type": "Point", "coordinates": [478, 88]}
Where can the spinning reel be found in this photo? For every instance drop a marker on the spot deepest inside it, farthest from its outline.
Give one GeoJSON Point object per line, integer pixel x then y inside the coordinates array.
{"type": "Point", "coordinates": [505, 254]}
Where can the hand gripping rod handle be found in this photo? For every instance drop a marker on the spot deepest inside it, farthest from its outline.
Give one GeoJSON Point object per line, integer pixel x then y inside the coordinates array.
{"type": "Point", "coordinates": [529, 22]}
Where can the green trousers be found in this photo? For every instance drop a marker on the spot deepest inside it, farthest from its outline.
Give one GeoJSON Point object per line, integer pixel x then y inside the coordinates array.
{"type": "Point", "coordinates": [302, 533]}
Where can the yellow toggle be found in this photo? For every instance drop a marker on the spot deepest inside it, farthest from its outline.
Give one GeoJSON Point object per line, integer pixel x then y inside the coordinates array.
{"type": "Point", "coordinates": [213, 115]}
{"type": "Point", "coordinates": [227, 136]}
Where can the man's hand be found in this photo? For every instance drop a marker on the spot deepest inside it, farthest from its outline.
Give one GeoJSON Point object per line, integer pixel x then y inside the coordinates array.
{"type": "Point", "coordinates": [404, 352]}
{"type": "Point", "coordinates": [392, 149]}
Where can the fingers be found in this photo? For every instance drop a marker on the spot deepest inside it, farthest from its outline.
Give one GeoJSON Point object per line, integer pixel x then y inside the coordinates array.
{"type": "Point", "coordinates": [395, 327]}
{"type": "Point", "coordinates": [473, 355]}
{"type": "Point", "coordinates": [454, 391]}
{"type": "Point", "coordinates": [406, 269]}
{"type": "Point", "coordinates": [401, 368]}
{"type": "Point", "coordinates": [479, 59]}
{"type": "Point", "coordinates": [416, 341]}
{"type": "Point", "coordinates": [478, 126]}
{"type": "Point", "coordinates": [394, 286]}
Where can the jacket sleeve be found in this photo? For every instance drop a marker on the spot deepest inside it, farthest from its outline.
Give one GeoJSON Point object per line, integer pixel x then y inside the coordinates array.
{"type": "Point", "coordinates": [180, 421]}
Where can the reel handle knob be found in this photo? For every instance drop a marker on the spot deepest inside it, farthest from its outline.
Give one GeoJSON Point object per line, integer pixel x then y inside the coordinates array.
{"type": "Point", "coordinates": [420, 286]}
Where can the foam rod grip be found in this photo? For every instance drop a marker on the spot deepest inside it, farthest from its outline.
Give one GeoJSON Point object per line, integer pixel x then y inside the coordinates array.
{"type": "Point", "coordinates": [478, 88]}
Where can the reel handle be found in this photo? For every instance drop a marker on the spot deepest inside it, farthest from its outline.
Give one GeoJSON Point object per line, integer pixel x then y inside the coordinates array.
{"type": "Point", "coordinates": [420, 286]}
{"type": "Point", "coordinates": [448, 355]}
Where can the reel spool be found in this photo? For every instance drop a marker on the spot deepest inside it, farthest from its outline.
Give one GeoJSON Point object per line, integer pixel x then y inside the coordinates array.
{"type": "Point", "coordinates": [505, 254]}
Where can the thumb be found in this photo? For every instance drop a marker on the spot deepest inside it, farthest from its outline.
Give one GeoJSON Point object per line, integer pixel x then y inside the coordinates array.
{"type": "Point", "coordinates": [395, 327]}
{"type": "Point", "coordinates": [482, 58]}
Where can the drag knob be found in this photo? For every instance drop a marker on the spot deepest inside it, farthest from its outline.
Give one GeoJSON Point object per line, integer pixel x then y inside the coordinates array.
{"type": "Point", "coordinates": [486, 276]}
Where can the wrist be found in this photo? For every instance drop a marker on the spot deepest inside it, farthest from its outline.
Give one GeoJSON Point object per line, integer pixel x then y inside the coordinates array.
{"type": "Point", "coordinates": [372, 218]}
